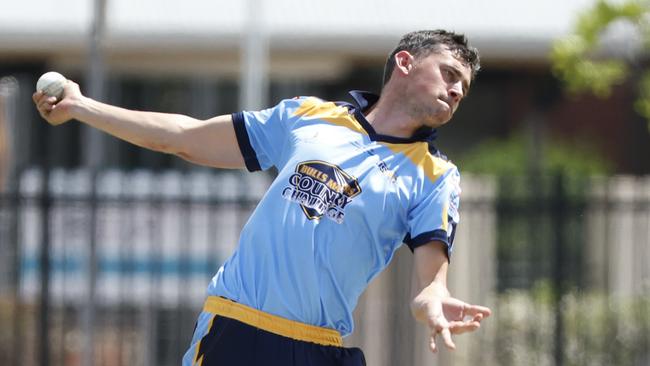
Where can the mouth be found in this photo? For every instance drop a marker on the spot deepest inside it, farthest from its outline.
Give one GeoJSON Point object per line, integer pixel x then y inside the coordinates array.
{"type": "Point", "coordinates": [446, 104]}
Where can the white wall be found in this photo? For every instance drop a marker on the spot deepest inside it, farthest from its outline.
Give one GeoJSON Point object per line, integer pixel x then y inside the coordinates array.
{"type": "Point", "coordinates": [501, 27]}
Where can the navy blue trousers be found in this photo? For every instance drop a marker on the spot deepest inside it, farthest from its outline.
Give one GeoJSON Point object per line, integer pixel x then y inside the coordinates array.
{"type": "Point", "coordinates": [231, 342]}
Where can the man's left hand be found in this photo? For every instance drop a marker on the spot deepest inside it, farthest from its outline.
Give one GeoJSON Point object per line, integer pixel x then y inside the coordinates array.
{"type": "Point", "coordinates": [446, 315]}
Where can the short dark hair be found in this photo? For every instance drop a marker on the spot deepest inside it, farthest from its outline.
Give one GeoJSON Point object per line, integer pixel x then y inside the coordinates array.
{"type": "Point", "coordinates": [425, 42]}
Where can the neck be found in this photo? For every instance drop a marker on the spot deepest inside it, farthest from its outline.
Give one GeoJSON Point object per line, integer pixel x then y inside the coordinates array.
{"type": "Point", "coordinates": [389, 117]}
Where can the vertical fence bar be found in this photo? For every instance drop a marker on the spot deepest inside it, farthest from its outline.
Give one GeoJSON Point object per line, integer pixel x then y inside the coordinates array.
{"type": "Point", "coordinates": [559, 217]}
{"type": "Point", "coordinates": [126, 264]}
{"type": "Point", "coordinates": [183, 268]}
{"type": "Point", "coordinates": [14, 204]}
{"type": "Point", "coordinates": [151, 314]}
{"type": "Point", "coordinates": [88, 316]}
{"type": "Point", "coordinates": [43, 325]}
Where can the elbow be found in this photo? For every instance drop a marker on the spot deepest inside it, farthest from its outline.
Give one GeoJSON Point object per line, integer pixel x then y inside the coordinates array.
{"type": "Point", "coordinates": [171, 142]}
{"type": "Point", "coordinates": [164, 148]}
{"type": "Point", "coordinates": [159, 146]}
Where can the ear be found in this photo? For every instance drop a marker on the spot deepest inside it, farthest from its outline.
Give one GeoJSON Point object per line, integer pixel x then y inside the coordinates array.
{"type": "Point", "coordinates": [403, 62]}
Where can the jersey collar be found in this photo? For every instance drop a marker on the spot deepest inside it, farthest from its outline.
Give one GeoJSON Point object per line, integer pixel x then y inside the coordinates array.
{"type": "Point", "coordinates": [363, 101]}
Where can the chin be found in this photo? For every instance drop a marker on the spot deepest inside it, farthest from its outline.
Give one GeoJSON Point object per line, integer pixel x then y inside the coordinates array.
{"type": "Point", "coordinates": [438, 121]}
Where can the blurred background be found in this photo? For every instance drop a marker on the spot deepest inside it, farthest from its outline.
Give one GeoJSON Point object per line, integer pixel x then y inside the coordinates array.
{"type": "Point", "coordinates": [106, 249]}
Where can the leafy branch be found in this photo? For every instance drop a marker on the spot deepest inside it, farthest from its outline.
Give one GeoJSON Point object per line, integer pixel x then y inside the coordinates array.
{"type": "Point", "coordinates": [576, 59]}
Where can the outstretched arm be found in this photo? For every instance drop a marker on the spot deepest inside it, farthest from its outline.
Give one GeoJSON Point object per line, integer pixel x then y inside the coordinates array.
{"type": "Point", "coordinates": [432, 303]}
{"type": "Point", "coordinates": [209, 142]}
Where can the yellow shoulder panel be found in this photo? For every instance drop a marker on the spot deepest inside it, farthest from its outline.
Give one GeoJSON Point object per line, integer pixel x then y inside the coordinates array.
{"type": "Point", "coordinates": [330, 112]}
{"type": "Point", "coordinates": [433, 166]}
{"type": "Point", "coordinates": [418, 153]}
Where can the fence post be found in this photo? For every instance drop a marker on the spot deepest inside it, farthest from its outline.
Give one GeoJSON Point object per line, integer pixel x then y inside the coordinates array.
{"type": "Point", "coordinates": [43, 325]}
{"type": "Point", "coordinates": [91, 281]}
{"type": "Point", "coordinates": [10, 195]}
{"type": "Point", "coordinates": [558, 210]}
{"type": "Point", "coordinates": [14, 202]}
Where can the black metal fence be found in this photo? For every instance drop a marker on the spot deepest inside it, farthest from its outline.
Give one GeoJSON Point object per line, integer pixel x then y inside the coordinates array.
{"type": "Point", "coordinates": [573, 278]}
{"type": "Point", "coordinates": [125, 257]}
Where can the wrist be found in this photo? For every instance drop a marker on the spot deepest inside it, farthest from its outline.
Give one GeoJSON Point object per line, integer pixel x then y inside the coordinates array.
{"type": "Point", "coordinates": [80, 108]}
{"type": "Point", "coordinates": [434, 293]}
{"type": "Point", "coordinates": [436, 289]}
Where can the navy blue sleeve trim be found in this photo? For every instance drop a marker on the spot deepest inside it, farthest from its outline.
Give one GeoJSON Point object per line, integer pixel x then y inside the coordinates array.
{"type": "Point", "coordinates": [247, 152]}
{"type": "Point", "coordinates": [426, 237]}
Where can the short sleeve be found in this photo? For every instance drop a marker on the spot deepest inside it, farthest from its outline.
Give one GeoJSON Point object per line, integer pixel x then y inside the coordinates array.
{"type": "Point", "coordinates": [263, 135]}
{"type": "Point", "coordinates": [435, 216]}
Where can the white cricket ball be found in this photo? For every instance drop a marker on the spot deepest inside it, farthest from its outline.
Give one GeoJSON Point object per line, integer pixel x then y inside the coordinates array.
{"type": "Point", "coordinates": [51, 83]}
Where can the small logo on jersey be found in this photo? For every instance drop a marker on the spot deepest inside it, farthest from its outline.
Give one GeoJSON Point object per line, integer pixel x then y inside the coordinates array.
{"type": "Point", "coordinates": [321, 189]}
{"type": "Point", "coordinates": [383, 167]}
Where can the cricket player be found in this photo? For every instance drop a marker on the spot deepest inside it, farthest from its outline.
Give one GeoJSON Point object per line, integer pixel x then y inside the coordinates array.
{"type": "Point", "coordinates": [355, 181]}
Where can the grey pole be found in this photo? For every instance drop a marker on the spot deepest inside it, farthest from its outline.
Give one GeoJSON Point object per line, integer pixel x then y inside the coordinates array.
{"type": "Point", "coordinates": [255, 57]}
{"type": "Point", "coordinates": [92, 154]}
{"type": "Point", "coordinates": [93, 142]}
{"type": "Point", "coordinates": [8, 101]}
{"type": "Point", "coordinates": [9, 185]}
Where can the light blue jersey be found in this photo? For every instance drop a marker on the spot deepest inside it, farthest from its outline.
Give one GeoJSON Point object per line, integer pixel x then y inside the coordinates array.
{"type": "Point", "coordinates": [344, 200]}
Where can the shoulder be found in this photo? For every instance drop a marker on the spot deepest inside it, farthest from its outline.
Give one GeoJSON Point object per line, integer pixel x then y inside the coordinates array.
{"type": "Point", "coordinates": [310, 106]}
{"type": "Point", "coordinates": [287, 109]}
{"type": "Point", "coordinates": [434, 166]}
{"type": "Point", "coordinates": [443, 163]}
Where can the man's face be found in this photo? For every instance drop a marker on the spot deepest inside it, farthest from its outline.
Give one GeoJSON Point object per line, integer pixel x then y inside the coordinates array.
{"type": "Point", "coordinates": [436, 84]}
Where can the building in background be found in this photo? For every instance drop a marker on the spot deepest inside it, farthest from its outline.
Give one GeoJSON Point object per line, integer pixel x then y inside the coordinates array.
{"type": "Point", "coordinates": [187, 57]}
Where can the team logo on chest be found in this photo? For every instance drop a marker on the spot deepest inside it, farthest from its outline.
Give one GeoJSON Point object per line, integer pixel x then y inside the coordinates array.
{"type": "Point", "coordinates": [321, 189]}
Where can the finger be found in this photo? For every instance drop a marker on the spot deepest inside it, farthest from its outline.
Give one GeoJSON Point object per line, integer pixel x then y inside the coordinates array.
{"type": "Point", "coordinates": [473, 310]}
{"type": "Point", "coordinates": [432, 342]}
{"type": "Point", "coordinates": [45, 113]}
{"type": "Point", "coordinates": [40, 97]}
{"type": "Point", "coordinates": [446, 336]}
{"type": "Point", "coordinates": [48, 101]}
{"type": "Point", "coordinates": [459, 327]}
{"type": "Point", "coordinates": [36, 96]}
{"type": "Point", "coordinates": [45, 107]}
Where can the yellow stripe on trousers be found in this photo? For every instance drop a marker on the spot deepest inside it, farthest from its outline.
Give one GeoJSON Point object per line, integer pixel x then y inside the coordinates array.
{"type": "Point", "coordinates": [272, 323]}
{"type": "Point", "coordinates": [199, 362]}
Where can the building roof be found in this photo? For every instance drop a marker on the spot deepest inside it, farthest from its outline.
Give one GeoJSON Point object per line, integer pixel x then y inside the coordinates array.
{"type": "Point", "coordinates": [500, 28]}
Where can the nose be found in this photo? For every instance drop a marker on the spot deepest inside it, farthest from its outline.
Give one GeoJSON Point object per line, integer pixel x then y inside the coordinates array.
{"type": "Point", "coordinates": [456, 92]}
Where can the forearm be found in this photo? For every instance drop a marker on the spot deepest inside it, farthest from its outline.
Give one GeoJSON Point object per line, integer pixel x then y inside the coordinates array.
{"type": "Point", "coordinates": [432, 304]}
{"type": "Point", "coordinates": [429, 277]}
{"type": "Point", "coordinates": [211, 142]}
{"type": "Point", "coordinates": [156, 131]}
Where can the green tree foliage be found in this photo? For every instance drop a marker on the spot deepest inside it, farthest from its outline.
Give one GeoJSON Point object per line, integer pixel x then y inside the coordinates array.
{"type": "Point", "coordinates": [579, 64]}
{"type": "Point", "coordinates": [598, 329]}
{"type": "Point", "coordinates": [509, 157]}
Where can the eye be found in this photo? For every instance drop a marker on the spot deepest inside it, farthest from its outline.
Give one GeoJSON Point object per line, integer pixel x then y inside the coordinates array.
{"type": "Point", "coordinates": [449, 74]}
